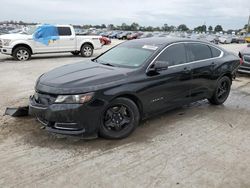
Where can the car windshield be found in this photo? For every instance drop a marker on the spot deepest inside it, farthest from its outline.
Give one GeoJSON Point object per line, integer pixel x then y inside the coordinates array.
{"type": "Point", "coordinates": [29, 30]}
{"type": "Point", "coordinates": [127, 55]}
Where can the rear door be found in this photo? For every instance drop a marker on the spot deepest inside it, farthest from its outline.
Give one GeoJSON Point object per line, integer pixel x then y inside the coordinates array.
{"type": "Point", "coordinates": [67, 41]}
{"type": "Point", "coordinates": [201, 57]}
{"type": "Point", "coordinates": [169, 88]}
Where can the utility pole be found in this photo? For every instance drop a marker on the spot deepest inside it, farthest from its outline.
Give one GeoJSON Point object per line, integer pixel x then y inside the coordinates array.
{"type": "Point", "coordinates": [248, 25]}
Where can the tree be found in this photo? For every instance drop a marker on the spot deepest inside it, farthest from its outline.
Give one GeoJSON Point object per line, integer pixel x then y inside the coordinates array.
{"type": "Point", "coordinates": [218, 28]}
{"type": "Point", "coordinates": [247, 28]}
{"type": "Point", "coordinates": [111, 27]}
{"type": "Point", "coordinates": [210, 28]}
{"type": "Point", "coordinates": [200, 29]}
{"type": "Point", "coordinates": [165, 27]}
{"type": "Point", "coordinates": [103, 26]}
{"type": "Point", "coordinates": [182, 27]}
{"type": "Point", "coordinates": [134, 26]}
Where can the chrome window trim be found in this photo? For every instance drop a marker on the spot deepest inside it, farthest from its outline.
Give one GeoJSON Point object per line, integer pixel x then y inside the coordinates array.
{"type": "Point", "coordinates": [191, 62]}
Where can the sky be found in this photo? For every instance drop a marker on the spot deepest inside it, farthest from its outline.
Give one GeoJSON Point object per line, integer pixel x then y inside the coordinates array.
{"type": "Point", "coordinates": [231, 14]}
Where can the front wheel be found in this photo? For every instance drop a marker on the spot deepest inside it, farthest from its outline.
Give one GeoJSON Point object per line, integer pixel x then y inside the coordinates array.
{"type": "Point", "coordinates": [119, 119]}
{"type": "Point", "coordinates": [87, 50]}
{"type": "Point", "coordinates": [222, 91]}
{"type": "Point", "coordinates": [21, 54]}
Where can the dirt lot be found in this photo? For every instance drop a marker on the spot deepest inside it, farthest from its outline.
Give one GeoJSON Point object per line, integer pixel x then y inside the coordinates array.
{"type": "Point", "coordinates": [195, 146]}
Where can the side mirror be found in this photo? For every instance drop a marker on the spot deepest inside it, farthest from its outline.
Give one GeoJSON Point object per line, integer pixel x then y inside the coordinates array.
{"type": "Point", "coordinates": [159, 66]}
{"type": "Point", "coordinates": [248, 45]}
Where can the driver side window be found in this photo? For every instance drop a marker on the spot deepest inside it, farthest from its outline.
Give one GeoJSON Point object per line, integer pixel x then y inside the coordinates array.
{"type": "Point", "coordinates": [173, 55]}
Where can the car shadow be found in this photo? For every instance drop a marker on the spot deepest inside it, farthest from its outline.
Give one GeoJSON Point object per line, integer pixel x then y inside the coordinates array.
{"type": "Point", "coordinates": [39, 57]}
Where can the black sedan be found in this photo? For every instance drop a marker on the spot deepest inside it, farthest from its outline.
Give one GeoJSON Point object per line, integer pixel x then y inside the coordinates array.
{"type": "Point", "coordinates": [109, 95]}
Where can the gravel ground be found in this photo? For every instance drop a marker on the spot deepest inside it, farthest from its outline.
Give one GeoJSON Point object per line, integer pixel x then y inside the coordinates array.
{"type": "Point", "coordinates": [199, 145]}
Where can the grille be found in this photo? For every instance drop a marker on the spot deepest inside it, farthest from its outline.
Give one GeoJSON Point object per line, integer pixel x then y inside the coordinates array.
{"type": "Point", "coordinates": [44, 99]}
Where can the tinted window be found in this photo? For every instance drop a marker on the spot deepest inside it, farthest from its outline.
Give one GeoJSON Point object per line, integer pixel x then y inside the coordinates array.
{"type": "Point", "coordinates": [173, 55]}
{"type": "Point", "coordinates": [64, 31]}
{"type": "Point", "coordinates": [215, 51]}
{"type": "Point", "coordinates": [198, 52]}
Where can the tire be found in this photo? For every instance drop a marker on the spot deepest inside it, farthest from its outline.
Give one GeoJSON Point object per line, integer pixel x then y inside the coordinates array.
{"type": "Point", "coordinates": [124, 38]}
{"type": "Point", "coordinates": [87, 50]}
{"type": "Point", "coordinates": [21, 54]}
{"type": "Point", "coordinates": [222, 91]}
{"type": "Point", "coordinates": [75, 53]}
{"type": "Point", "coordinates": [120, 119]}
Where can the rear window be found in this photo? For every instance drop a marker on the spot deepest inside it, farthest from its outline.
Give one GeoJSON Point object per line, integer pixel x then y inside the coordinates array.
{"type": "Point", "coordinates": [215, 52]}
{"type": "Point", "coordinates": [198, 52]}
{"type": "Point", "coordinates": [64, 31]}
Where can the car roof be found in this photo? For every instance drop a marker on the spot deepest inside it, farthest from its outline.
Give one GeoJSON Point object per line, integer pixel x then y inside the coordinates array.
{"type": "Point", "coordinates": [162, 41]}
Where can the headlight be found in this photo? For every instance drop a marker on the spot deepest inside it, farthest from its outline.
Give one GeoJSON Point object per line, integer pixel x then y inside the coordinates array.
{"type": "Point", "coordinates": [74, 99]}
{"type": "Point", "coordinates": [6, 42]}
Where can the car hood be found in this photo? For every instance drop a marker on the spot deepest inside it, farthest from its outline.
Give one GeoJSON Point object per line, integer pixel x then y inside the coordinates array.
{"type": "Point", "coordinates": [80, 78]}
{"type": "Point", "coordinates": [15, 36]}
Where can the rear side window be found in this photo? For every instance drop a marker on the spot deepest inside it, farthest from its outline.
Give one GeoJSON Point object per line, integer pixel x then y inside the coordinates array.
{"type": "Point", "coordinates": [64, 31]}
{"type": "Point", "coordinates": [173, 55]}
{"type": "Point", "coordinates": [215, 52]}
{"type": "Point", "coordinates": [196, 52]}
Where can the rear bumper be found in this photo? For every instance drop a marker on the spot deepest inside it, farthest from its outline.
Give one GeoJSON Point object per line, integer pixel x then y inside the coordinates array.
{"type": "Point", "coordinates": [68, 119]}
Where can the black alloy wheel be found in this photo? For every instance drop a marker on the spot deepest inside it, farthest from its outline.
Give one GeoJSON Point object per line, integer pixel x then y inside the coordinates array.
{"type": "Point", "coordinates": [222, 91]}
{"type": "Point", "coordinates": [119, 119]}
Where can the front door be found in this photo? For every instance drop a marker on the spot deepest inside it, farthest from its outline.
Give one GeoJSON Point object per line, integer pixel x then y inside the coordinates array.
{"type": "Point", "coordinates": [169, 88]}
{"type": "Point", "coordinates": [67, 40]}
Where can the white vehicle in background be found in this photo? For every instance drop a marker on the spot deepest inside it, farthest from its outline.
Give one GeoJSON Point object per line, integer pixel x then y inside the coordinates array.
{"type": "Point", "coordinates": [225, 39]}
{"type": "Point", "coordinates": [22, 45]}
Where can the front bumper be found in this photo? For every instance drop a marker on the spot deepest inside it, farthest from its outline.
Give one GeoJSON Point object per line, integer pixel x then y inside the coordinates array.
{"type": "Point", "coordinates": [5, 50]}
{"type": "Point", "coordinates": [68, 119]}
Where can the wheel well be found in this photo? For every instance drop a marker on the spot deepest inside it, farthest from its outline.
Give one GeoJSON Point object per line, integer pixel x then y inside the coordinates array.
{"type": "Point", "coordinates": [22, 45]}
{"type": "Point", "coordinates": [135, 100]}
{"type": "Point", "coordinates": [229, 75]}
{"type": "Point", "coordinates": [88, 44]}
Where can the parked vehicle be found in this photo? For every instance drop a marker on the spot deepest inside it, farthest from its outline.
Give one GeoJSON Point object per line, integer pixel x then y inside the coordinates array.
{"type": "Point", "coordinates": [245, 60]}
{"type": "Point", "coordinates": [146, 35]}
{"type": "Point", "coordinates": [22, 45]}
{"type": "Point", "coordinates": [124, 35]}
{"type": "Point", "coordinates": [225, 39]}
{"type": "Point", "coordinates": [134, 36]}
{"type": "Point", "coordinates": [247, 38]}
{"type": "Point", "coordinates": [115, 34]}
{"type": "Point", "coordinates": [238, 39]}
{"type": "Point", "coordinates": [105, 40]}
{"type": "Point", "coordinates": [132, 81]}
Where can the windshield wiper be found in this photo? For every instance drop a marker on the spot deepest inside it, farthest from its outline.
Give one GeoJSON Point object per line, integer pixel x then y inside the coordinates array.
{"type": "Point", "coordinates": [108, 64]}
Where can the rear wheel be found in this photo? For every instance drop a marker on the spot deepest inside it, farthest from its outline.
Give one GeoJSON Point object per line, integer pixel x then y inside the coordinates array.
{"type": "Point", "coordinates": [222, 91]}
{"type": "Point", "coordinates": [120, 119]}
{"type": "Point", "coordinates": [87, 50]}
{"type": "Point", "coordinates": [21, 54]}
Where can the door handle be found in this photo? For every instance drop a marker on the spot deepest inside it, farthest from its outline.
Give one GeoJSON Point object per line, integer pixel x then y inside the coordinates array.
{"type": "Point", "coordinates": [71, 39]}
{"type": "Point", "coordinates": [187, 69]}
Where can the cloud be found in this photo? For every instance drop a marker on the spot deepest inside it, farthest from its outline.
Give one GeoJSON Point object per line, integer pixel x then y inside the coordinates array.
{"type": "Point", "coordinates": [230, 14]}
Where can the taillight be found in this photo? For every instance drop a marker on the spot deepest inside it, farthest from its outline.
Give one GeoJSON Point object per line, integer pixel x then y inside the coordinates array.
{"type": "Point", "coordinates": [241, 61]}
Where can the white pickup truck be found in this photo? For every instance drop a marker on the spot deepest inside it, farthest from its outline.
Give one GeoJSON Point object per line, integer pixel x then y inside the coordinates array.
{"type": "Point", "coordinates": [22, 45]}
